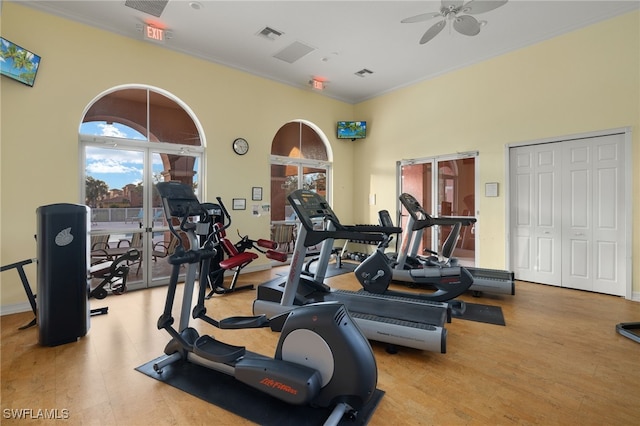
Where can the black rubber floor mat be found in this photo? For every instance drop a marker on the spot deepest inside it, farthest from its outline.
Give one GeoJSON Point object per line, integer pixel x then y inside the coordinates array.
{"type": "Point", "coordinates": [226, 392]}
{"type": "Point", "coordinates": [481, 313]}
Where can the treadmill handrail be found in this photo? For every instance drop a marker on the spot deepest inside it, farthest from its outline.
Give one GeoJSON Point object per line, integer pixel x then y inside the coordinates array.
{"type": "Point", "coordinates": [422, 219]}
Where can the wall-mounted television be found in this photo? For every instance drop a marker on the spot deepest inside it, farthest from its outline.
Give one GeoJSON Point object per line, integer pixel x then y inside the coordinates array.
{"type": "Point", "coordinates": [352, 129]}
{"type": "Point", "coordinates": [18, 63]}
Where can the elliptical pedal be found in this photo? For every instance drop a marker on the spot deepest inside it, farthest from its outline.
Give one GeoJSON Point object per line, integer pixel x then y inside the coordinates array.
{"type": "Point", "coordinates": [214, 350]}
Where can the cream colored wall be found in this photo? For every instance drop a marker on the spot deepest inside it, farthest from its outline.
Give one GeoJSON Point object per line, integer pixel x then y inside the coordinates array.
{"type": "Point", "coordinates": [39, 125]}
{"type": "Point", "coordinates": [587, 80]}
{"type": "Point", "coordinates": [584, 81]}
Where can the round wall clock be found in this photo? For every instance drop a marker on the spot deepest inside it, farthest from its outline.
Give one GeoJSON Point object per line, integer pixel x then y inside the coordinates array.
{"type": "Point", "coordinates": [240, 146]}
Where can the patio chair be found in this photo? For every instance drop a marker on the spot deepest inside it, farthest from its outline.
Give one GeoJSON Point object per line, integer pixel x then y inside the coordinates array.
{"type": "Point", "coordinates": [99, 245]}
{"type": "Point", "coordinates": [162, 250]}
{"type": "Point", "coordinates": [124, 246]}
{"type": "Point", "coordinates": [284, 236]}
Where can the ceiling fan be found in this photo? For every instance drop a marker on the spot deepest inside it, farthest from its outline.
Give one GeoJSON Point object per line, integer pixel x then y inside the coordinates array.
{"type": "Point", "coordinates": [454, 11]}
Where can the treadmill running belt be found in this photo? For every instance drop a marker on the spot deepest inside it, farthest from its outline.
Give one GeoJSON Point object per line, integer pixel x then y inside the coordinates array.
{"type": "Point", "coordinates": [228, 393]}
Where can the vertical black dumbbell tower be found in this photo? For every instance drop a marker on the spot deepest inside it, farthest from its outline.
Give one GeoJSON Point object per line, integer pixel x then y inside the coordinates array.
{"type": "Point", "coordinates": [63, 262]}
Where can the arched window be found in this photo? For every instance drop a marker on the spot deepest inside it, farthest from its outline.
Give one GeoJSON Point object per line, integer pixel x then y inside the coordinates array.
{"type": "Point", "coordinates": [300, 158]}
{"type": "Point", "coordinates": [132, 137]}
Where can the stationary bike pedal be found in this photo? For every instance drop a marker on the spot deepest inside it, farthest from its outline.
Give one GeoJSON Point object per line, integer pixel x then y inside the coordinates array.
{"type": "Point", "coordinates": [214, 350]}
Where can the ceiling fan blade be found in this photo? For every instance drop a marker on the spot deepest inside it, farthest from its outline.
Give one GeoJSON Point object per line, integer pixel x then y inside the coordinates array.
{"type": "Point", "coordinates": [467, 25]}
{"type": "Point", "coordinates": [475, 7]}
{"type": "Point", "coordinates": [433, 31]}
{"type": "Point", "coordinates": [421, 17]}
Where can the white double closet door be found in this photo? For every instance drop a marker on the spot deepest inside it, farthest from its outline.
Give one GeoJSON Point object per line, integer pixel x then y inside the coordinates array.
{"type": "Point", "coordinates": [568, 214]}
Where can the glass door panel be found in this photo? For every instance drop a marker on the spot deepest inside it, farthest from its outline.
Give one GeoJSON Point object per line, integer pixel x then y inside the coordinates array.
{"type": "Point", "coordinates": [165, 167]}
{"type": "Point", "coordinates": [456, 197]}
{"type": "Point", "coordinates": [449, 194]}
{"type": "Point", "coordinates": [417, 180]}
{"type": "Point", "coordinates": [113, 190]}
{"type": "Point", "coordinates": [315, 179]}
{"type": "Point", "coordinates": [284, 180]}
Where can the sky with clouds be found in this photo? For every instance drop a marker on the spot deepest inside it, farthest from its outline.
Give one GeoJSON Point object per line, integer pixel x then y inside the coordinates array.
{"type": "Point", "coordinates": [116, 167]}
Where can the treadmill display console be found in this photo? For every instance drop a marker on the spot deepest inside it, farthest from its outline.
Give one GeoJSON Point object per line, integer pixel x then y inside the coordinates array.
{"type": "Point", "coordinates": [310, 205]}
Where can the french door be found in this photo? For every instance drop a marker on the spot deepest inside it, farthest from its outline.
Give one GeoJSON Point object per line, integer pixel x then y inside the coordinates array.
{"type": "Point", "coordinates": [445, 187]}
{"type": "Point", "coordinates": [125, 208]}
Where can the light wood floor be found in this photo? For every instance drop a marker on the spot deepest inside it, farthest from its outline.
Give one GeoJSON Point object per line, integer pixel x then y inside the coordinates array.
{"type": "Point", "coordinates": [558, 361]}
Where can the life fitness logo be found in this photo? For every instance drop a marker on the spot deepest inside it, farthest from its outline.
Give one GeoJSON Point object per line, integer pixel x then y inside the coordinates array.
{"type": "Point", "coordinates": [64, 237]}
{"type": "Point", "coordinates": [278, 385]}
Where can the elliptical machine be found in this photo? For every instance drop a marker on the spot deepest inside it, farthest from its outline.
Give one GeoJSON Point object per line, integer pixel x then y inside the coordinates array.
{"type": "Point", "coordinates": [322, 358]}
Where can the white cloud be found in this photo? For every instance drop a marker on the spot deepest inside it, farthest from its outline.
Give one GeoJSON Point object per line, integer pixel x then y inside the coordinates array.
{"type": "Point", "coordinates": [110, 165]}
{"type": "Point", "coordinates": [114, 155]}
{"type": "Point", "coordinates": [111, 130]}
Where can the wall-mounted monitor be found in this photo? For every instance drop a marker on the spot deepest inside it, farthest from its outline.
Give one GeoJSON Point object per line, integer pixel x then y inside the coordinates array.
{"type": "Point", "coordinates": [18, 63]}
{"type": "Point", "coordinates": [352, 129]}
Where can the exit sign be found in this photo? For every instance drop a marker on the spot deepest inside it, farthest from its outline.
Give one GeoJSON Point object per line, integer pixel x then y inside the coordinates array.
{"type": "Point", "coordinates": [153, 33]}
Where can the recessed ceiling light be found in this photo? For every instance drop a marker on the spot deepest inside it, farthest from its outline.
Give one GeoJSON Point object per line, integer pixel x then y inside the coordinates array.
{"type": "Point", "coordinates": [195, 5]}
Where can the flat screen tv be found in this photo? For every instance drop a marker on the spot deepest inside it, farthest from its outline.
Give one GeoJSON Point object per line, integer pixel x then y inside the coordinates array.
{"type": "Point", "coordinates": [18, 63]}
{"type": "Point", "coordinates": [352, 129]}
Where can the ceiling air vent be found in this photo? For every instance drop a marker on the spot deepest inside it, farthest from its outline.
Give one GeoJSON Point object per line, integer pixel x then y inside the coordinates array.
{"type": "Point", "coordinates": [294, 51]}
{"type": "Point", "coordinates": [152, 7]}
{"type": "Point", "coordinates": [363, 72]}
{"type": "Point", "coordinates": [269, 33]}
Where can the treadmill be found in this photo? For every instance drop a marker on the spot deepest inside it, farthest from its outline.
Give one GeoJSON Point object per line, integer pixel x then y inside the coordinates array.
{"type": "Point", "coordinates": [484, 280]}
{"type": "Point", "coordinates": [397, 321]}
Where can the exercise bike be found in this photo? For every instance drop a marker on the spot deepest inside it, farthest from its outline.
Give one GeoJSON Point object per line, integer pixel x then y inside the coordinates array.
{"type": "Point", "coordinates": [322, 359]}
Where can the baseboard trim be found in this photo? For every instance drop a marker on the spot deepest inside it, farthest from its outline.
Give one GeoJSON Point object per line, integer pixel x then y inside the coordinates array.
{"type": "Point", "coordinates": [15, 308]}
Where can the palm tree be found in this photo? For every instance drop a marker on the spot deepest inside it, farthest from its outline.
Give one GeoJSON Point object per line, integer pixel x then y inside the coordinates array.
{"type": "Point", "coordinates": [23, 60]}
{"type": "Point", "coordinates": [95, 190]}
{"type": "Point", "coordinates": [11, 52]}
